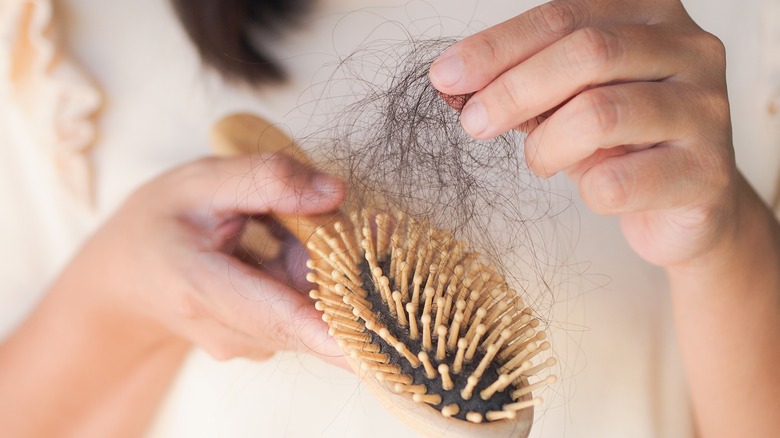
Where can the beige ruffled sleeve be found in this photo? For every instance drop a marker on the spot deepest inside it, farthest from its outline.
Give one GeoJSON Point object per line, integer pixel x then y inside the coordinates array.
{"type": "Point", "coordinates": [46, 92]}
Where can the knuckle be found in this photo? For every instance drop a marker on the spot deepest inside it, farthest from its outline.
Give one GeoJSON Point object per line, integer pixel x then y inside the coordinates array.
{"type": "Point", "coordinates": [715, 160]}
{"type": "Point", "coordinates": [284, 326]}
{"type": "Point", "coordinates": [713, 50]}
{"type": "Point", "coordinates": [222, 351]}
{"type": "Point", "coordinates": [283, 173]}
{"type": "Point", "coordinates": [535, 157]}
{"type": "Point", "coordinates": [605, 190]}
{"type": "Point", "coordinates": [701, 223]}
{"type": "Point", "coordinates": [716, 103]}
{"type": "Point", "coordinates": [531, 152]}
{"type": "Point", "coordinates": [512, 94]}
{"type": "Point", "coordinates": [488, 46]}
{"type": "Point", "coordinates": [602, 108]}
{"type": "Point", "coordinates": [719, 169]}
{"type": "Point", "coordinates": [280, 333]}
{"type": "Point", "coordinates": [276, 176]}
{"type": "Point", "coordinates": [189, 307]}
{"type": "Point", "coordinates": [557, 18]}
{"type": "Point", "coordinates": [276, 166]}
{"type": "Point", "coordinates": [591, 48]}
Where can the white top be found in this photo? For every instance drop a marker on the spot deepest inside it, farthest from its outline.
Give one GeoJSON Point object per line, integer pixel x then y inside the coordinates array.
{"type": "Point", "coordinates": [611, 323]}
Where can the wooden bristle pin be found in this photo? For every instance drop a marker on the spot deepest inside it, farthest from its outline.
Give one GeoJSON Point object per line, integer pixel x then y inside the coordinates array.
{"type": "Point", "coordinates": [447, 383]}
{"type": "Point", "coordinates": [523, 404]}
{"type": "Point", "coordinates": [458, 363]}
{"type": "Point", "coordinates": [399, 309]}
{"type": "Point", "coordinates": [414, 361]}
{"type": "Point", "coordinates": [373, 357]}
{"type": "Point", "coordinates": [447, 308]}
{"type": "Point", "coordinates": [500, 415]}
{"type": "Point", "coordinates": [549, 363]}
{"type": "Point", "coordinates": [474, 342]}
{"type": "Point", "coordinates": [444, 340]}
{"type": "Point", "coordinates": [348, 345]}
{"type": "Point", "coordinates": [347, 334]}
{"type": "Point", "coordinates": [417, 282]}
{"type": "Point", "coordinates": [430, 372]}
{"type": "Point", "coordinates": [473, 325]}
{"type": "Point", "coordinates": [455, 326]}
{"type": "Point", "coordinates": [474, 417]}
{"type": "Point", "coordinates": [414, 389]}
{"type": "Point", "coordinates": [468, 390]}
{"type": "Point", "coordinates": [426, 323]}
{"type": "Point", "coordinates": [525, 390]}
{"type": "Point", "coordinates": [441, 349]}
{"type": "Point", "coordinates": [450, 410]}
{"type": "Point", "coordinates": [394, 378]}
{"type": "Point", "coordinates": [431, 399]}
{"type": "Point", "coordinates": [414, 332]}
{"type": "Point", "coordinates": [439, 313]}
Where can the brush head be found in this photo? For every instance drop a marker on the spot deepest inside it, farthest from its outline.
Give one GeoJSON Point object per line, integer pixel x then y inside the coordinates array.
{"type": "Point", "coordinates": [436, 334]}
{"type": "Point", "coordinates": [440, 333]}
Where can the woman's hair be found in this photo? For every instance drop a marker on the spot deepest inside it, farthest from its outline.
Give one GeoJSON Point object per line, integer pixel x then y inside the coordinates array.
{"type": "Point", "coordinates": [228, 34]}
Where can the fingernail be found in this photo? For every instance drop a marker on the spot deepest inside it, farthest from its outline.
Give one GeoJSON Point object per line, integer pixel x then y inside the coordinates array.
{"type": "Point", "coordinates": [447, 70]}
{"type": "Point", "coordinates": [474, 118]}
{"type": "Point", "coordinates": [327, 185]}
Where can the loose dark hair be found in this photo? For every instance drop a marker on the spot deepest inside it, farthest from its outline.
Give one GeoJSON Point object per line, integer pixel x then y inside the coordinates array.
{"type": "Point", "coordinates": [223, 32]}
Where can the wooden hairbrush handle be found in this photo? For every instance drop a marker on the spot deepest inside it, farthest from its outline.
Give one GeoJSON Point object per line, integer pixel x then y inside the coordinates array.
{"type": "Point", "coordinates": [245, 134]}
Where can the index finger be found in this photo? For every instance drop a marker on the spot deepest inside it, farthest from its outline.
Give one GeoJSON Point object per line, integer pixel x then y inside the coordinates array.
{"type": "Point", "coordinates": [472, 63]}
{"type": "Point", "coordinates": [255, 184]}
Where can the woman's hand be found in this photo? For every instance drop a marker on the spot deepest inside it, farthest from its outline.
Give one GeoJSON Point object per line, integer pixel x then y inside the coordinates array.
{"type": "Point", "coordinates": [98, 353]}
{"type": "Point", "coordinates": [628, 98]}
{"type": "Point", "coordinates": [166, 257]}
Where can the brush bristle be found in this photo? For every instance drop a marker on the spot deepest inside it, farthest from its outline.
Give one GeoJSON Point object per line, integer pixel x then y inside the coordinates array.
{"type": "Point", "coordinates": [427, 316]}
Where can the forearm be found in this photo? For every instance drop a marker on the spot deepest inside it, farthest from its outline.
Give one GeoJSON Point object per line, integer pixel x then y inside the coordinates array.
{"type": "Point", "coordinates": [727, 311]}
{"type": "Point", "coordinates": [74, 370]}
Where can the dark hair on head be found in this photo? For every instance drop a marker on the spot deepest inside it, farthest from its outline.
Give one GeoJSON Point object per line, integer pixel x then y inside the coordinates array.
{"type": "Point", "coordinates": [226, 34]}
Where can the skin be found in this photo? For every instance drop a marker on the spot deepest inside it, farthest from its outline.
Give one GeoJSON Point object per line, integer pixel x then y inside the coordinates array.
{"type": "Point", "coordinates": [628, 98]}
{"type": "Point", "coordinates": [96, 356]}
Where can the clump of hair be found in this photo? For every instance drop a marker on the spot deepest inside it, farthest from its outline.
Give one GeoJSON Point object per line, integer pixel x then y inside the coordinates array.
{"type": "Point", "coordinates": [399, 142]}
{"type": "Point", "coordinates": [229, 34]}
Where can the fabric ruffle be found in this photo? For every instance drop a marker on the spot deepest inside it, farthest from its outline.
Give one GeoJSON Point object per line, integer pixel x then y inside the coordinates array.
{"type": "Point", "coordinates": [48, 92]}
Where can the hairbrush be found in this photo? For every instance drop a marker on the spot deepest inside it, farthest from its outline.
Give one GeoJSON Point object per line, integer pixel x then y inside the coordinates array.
{"type": "Point", "coordinates": [434, 331]}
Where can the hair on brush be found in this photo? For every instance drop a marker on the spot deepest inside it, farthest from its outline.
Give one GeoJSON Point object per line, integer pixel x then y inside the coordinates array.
{"type": "Point", "coordinates": [432, 325]}
{"type": "Point", "coordinates": [432, 321]}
